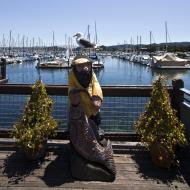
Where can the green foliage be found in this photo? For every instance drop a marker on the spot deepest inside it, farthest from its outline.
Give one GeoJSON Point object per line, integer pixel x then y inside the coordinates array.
{"type": "Point", "coordinates": [159, 122]}
{"type": "Point", "coordinates": [36, 123]}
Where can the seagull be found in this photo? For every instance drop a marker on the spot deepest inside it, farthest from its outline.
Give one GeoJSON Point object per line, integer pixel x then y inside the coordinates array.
{"type": "Point", "coordinates": [82, 42]}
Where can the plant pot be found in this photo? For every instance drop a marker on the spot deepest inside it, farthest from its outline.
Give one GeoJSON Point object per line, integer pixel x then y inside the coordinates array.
{"type": "Point", "coordinates": [160, 155]}
{"type": "Point", "coordinates": [33, 154]}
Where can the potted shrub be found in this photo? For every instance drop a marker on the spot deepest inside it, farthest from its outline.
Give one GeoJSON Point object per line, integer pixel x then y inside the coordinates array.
{"type": "Point", "coordinates": [159, 128]}
{"type": "Point", "coordinates": [36, 123]}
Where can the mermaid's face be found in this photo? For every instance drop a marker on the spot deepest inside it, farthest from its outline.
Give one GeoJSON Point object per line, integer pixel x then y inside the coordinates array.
{"type": "Point", "coordinates": [83, 68]}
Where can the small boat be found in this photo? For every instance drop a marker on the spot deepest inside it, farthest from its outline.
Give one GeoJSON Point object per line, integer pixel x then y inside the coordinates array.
{"type": "Point", "coordinates": [54, 64]}
{"type": "Point", "coordinates": [96, 62]}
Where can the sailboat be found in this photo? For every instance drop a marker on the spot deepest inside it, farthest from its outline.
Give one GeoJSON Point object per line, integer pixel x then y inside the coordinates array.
{"type": "Point", "coordinates": [169, 60]}
{"type": "Point", "coordinates": [69, 55]}
{"type": "Point", "coordinates": [97, 63]}
{"type": "Point", "coordinates": [56, 63]}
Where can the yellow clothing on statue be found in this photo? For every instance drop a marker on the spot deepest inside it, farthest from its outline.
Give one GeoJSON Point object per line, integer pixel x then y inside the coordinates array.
{"type": "Point", "coordinates": [93, 89]}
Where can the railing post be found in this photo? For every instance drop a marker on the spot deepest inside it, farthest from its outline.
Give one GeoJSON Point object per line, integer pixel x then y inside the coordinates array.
{"type": "Point", "coordinates": [178, 95]}
{"type": "Point", "coordinates": [3, 68]}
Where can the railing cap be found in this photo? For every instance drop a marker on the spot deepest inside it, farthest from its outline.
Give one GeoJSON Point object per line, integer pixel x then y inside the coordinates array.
{"type": "Point", "coordinates": [185, 91]}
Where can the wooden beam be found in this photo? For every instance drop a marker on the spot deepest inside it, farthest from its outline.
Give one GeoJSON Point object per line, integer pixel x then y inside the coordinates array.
{"type": "Point", "coordinates": [64, 135]}
{"type": "Point", "coordinates": [110, 91]}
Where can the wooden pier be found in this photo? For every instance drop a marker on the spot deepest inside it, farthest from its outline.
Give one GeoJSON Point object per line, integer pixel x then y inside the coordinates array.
{"type": "Point", "coordinates": [135, 169]}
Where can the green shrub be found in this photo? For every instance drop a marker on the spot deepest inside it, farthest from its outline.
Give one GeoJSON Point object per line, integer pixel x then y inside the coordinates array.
{"type": "Point", "coordinates": [36, 123]}
{"type": "Point", "coordinates": [159, 122]}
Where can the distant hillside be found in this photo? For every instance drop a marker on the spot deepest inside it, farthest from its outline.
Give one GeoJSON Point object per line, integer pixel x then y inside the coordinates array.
{"type": "Point", "coordinates": [174, 46]}
{"type": "Point", "coordinates": [183, 44]}
{"type": "Point", "coordinates": [160, 44]}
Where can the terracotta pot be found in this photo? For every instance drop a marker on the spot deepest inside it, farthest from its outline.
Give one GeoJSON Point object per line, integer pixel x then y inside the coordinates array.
{"type": "Point", "coordinates": [160, 155]}
{"type": "Point", "coordinates": [32, 154]}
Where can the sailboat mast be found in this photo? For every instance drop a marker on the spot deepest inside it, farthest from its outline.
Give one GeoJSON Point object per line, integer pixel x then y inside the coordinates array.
{"type": "Point", "coordinates": [33, 44]}
{"type": "Point", "coordinates": [88, 33]}
{"type": "Point", "coordinates": [65, 41]}
{"type": "Point", "coordinates": [166, 29]}
{"type": "Point", "coordinates": [4, 44]}
{"type": "Point", "coordinates": [53, 45]}
{"type": "Point", "coordinates": [150, 41]}
{"type": "Point", "coordinates": [10, 37]}
{"type": "Point", "coordinates": [96, 37]}
{"type": "Point", "coordinates": [18, 42]}
{"type": "Point", "coordinates": [23, 45]}
{"type": "Point", "coordinates": [27, 45]}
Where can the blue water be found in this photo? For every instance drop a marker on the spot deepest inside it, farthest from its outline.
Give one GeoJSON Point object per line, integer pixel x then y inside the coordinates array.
{"type": "Point", "coordinates": [116, 72]}
{"type": "Point", "coordinates": [118, 113]}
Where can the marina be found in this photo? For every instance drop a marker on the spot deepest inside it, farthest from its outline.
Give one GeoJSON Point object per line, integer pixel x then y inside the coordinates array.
{"type": "Point", "coordinates": [94, 95]}
{"type": "Point", "coordinates": [116, 71]}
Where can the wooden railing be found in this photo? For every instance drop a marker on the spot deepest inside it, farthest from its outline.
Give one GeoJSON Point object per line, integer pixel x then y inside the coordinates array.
{"type": "Point", "coordinates": [108, 91]}
{"type": "Point", "coordinates": [184, 103]}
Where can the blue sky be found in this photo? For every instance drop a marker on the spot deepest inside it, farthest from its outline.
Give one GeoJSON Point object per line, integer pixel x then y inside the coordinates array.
{"type": "Point", "coordinates": [117, 20]}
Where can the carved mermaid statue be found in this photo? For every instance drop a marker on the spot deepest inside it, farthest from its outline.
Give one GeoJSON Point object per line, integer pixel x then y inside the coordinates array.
{"type": "Point", "coordinates": [84, 139]}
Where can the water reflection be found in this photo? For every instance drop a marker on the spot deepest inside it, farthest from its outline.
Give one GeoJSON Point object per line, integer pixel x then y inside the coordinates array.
{"type": "Point", "coordinates": [171, 74]}
{"type": "Point", "coordinates": [115, 72]}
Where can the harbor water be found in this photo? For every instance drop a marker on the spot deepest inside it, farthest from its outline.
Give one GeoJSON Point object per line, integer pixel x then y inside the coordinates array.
{"type": "Point", "coordinates": [116, 72]}
{"type": "Point", "coordinates": [118, 113]}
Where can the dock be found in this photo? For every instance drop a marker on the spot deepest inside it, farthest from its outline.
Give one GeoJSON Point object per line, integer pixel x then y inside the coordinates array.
{"type": "Point", "coordinates": [135, 169]}
{"type": "Point", "coordinates": [172, 67]}
{"type": "Point", "coordinates": [53, 65]}
{"type": "Point", "coordinates": [63, 66]}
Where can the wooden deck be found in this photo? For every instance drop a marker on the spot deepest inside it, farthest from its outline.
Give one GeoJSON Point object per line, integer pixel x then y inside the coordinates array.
{"type": "Point", "coordinates": [134, 170]}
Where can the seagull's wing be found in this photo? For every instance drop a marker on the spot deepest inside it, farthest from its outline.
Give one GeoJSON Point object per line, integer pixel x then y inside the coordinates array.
{"type": "Point", "coordinates": [86, 43]}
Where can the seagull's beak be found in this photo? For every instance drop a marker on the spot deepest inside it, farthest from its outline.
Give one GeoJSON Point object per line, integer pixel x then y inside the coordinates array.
{"type": "Point", "coordinates": [75, 35]}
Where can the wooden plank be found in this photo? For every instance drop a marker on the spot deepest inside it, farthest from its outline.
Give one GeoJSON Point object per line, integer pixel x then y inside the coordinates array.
{"type": "Point", "coordinates": [129, 187]}
{"type": "Point", "coordinates": [63, 135]}
{"type": "Point", "coordinates": [117, 90]}
{"type": "Point", "coordinates": [63, 182]}
{"type": "Point", "coordinates": [161, 177]}
{"type": "Point", "coordinates": [37, 182]}
{"type": "Point", "coordinates": [133, 170]}
{"type": "Point", "coordinates": [131, 176]}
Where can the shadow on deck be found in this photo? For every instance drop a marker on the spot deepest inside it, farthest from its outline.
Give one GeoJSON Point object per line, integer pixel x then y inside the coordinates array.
{"type": "Point", "coordinates": [133, 163]}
